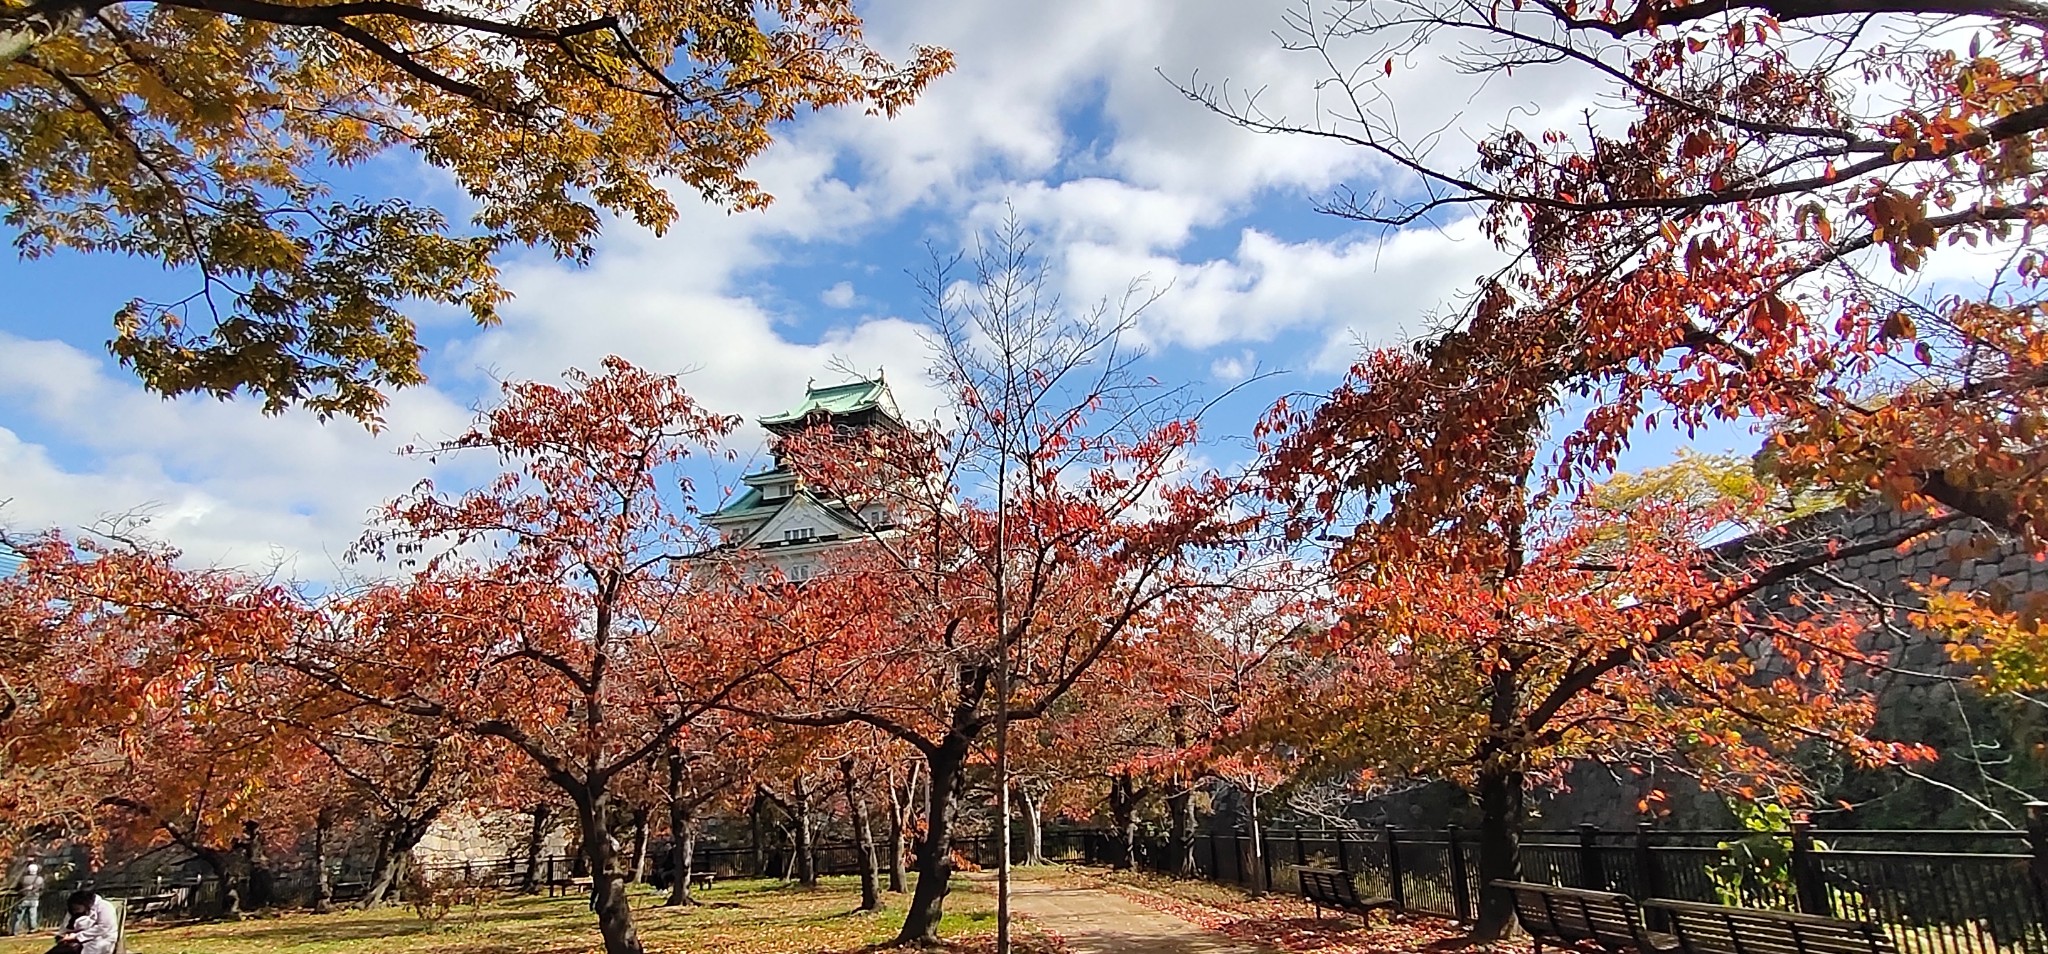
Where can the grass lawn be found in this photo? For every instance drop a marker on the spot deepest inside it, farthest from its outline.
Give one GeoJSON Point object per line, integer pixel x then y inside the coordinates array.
{"type": "Point", "coordinates": [736, 917]}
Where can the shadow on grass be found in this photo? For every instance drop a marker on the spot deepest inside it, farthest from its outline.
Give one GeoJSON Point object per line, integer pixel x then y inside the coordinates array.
{"type": "Point", "coordinates": [370, 925]}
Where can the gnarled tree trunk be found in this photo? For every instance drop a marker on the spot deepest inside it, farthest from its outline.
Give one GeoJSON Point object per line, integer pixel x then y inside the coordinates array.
{"type": "Point", "coordinates": [947, 767]}
{"type": "Point", "coordinates": [607, 888]}
{"type": "Point", "coordinates": [1500, 812]}
{"type": "Point", "coordinates": [682, 851]}
{"type": "Point", "coordinates": [1124, 795]}
{"type": "Point", "coordinates": [863, 838]}
{"type": "Point", "coordinates": [639, 867]}
{"type": "Point", "coordinates": [535, 836]}
{"type": "Point", "coordinates": [806, 840]}
{"type": "Point", "coordinates": [323, 888]}
{"type": "Point", "coordinates": [1034, 825]}
{"type": "Point", "coordinates": [902, 811]}
{"type": "Point", "coordinates": [758, 833]}
{"type": "Point", "coordinates": [1180, 820]}
{"type": "Point", "coordinates": [400, 837]}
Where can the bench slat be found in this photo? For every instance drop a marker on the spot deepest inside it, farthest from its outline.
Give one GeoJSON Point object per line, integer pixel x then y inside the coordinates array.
{"type": "Point", "coordinates": [1328, 887]}
{"type": "Point", "coordinates": [1717, 929]}
{"type": "Point", "coordinates": [1575, 914]}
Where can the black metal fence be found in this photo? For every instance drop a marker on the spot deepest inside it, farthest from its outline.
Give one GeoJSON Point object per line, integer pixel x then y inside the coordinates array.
{"type": "Point", "coordinates": [1937, 892]}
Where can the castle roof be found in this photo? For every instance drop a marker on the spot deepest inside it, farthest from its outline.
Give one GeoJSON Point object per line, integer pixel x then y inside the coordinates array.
{"type": "Point", "coordinates": [838, 400]}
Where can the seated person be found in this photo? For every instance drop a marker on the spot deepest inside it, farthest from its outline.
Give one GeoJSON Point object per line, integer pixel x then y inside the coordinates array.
{"type": "Point", "coordinates": [90, 926]}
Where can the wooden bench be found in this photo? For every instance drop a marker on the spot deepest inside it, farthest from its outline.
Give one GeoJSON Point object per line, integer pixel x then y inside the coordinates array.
{"type": "Point", "coordinates": [1331, 888]}
{"type": "Point", "coordinates": [120, 907]}
{"type": "Point", "coordinates": [1571, 916]}
{"type": "Point", "coordinates": [1716, 929]}
{"type": "Point", "coordinates": [151, 905]}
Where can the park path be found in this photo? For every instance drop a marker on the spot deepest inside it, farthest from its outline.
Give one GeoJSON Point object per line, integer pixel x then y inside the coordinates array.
{"type": "Point", "coordinates": [1097, 921]}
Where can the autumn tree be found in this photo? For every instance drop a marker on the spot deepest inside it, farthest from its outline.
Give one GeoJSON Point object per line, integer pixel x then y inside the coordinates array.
{"type": "Point", "coordinates": [1713, 257]}
{"type": "Point", "coordinates": [1025, 541]}
{"type": "Point", "coordinates": [1729, 247]}
{"type": "Point", "coordinates": [553, 613]}
{"type": "Point", "coordinates": [1144, 731]}
{"type": "Point", "coordinates": [117, 724]}
{"type": "Point", "coordinates": [1487, 640]}
{"type": "Point", "coordinates": [711, 762]}
{"type": "Point", "coordinates": [200, 133]}
{"type": "Point", "coordinates": [403, 774]}
{"type": "Point", "coordinates": [1212, 668]}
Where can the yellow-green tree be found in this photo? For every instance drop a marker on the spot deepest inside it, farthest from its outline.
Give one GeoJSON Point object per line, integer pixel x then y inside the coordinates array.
{"type": "Point", "coordinates": [196, 133]}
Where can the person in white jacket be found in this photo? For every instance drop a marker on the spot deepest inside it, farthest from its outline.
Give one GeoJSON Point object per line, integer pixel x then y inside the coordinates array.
{"type": "Point", "coordinates": [91, 926]}
{"type": "Point", "coordinates": [28, 907]}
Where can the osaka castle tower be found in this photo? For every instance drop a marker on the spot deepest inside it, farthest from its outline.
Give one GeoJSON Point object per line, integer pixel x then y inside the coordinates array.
{"type": "Point", "coordinates": [777, 518]}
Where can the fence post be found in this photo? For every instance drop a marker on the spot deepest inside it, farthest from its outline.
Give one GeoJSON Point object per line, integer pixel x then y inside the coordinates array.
{"type": "Point", "coordinates": [1263, 841]}
{"type": "Point", "coordinates": [2037, 841]}
{"type": "Point", "coordinates": [1300, 852]}
{"type": "Point", "coordinates": [1461, 892]}
{"type": "Point", "coordinates": [1592, 868]}
{"type": "Point", "coordinates": [1394, 872]}
{"type": "Point", "coordinates": [1649, 877]}
{"type": "Point", "coordinates": [551, 876]}
{"type": "Point", "coordinates": [1807, 887]}
{"type": "Point", "coordinates": [1343, 860]}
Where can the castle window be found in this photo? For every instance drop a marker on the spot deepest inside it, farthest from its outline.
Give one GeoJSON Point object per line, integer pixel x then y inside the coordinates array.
{"type": "Point", "coordinates": [799, 534]}
{"type": "Point", "coordinates": [801, 572]}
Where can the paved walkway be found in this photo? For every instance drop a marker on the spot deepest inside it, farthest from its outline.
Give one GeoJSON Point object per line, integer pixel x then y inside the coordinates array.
{"type": "Point", "coordinates": [1097, 921]}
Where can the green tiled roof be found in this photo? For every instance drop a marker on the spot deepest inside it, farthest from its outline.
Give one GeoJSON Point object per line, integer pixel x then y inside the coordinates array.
{"type": "Point", "coordinates": [835, 400]}
{"type": "Point", "coordinates": [751, 500]}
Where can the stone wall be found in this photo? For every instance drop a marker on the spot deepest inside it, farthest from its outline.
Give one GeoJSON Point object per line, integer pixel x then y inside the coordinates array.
{"type": "Point", "coordinates": [1883, 582]}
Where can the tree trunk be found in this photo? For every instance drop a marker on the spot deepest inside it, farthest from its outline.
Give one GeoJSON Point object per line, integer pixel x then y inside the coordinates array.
{"type": "Point", "coordinates": [863, 838]}
{"type": "Point", "coordinates": [1180, 819]}
{"type": "Point", "coordinates": [1500, 822]}
{"type": "Point", "coordinates": [387, 878]}
{"type": "Point", "coordinates": [378, 864]}
{"type": "Point", "coordinates": [1034, 827]}
{"type": "Point", "coordinates": [759, 835]}
{"type": "Point", "coordinates": [682, 850]}
{"type": "Point", "coordinates": [682, 834]}
{"type": "Point", "coordinates": [934, 850]}
{"type": "Point", "coordinates": [1123, 813]}
{"type": "Point", "coordinates": [257, 862]}
{"type": "Point", "coordinates": [806, 844]}
{"type": "Point", "coordinates": [394, 856]}
{"type": "Point", "coordinates": [1500, 807]}
{"type": "Point", "coordinates": [902, 809]}
{"type": "Point", "coordinates": [895, 846]}
{"type": "Point", "coordinates": [639, 844]}
{"type": "Point", "coordinates": [323, 889]}
{"type": "Point", "coordinates": [1259, 884]}
{"type": "Point", "coordinates": [607, 888]}
{"type": "Point", "coordinates": [530, 881]}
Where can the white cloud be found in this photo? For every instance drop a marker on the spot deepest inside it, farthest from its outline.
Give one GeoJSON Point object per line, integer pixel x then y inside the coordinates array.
{"type": "Point", "coordinates": [220, 480]}
{"type": "Point", "coordinates": [1232, 369]}
{"type": "Point", "coordinates": [1344, 292]}
{"type": "Point", "coordinates": [840, 296]}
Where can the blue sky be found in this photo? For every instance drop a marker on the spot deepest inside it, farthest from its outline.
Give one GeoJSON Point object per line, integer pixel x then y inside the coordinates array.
{"type": "Point", "coordinates": [1057, 114]}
